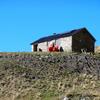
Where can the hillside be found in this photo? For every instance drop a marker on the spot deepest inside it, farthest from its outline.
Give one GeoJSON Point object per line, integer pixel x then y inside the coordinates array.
{"type": "Point", "coordinates": [97, 49]}
{"type": "Point", "coordinates": [49, 76]}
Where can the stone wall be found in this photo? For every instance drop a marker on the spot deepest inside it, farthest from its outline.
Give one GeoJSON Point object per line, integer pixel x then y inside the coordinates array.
{"type": "Point", "coordinates": [65, 43]}
{"type": "Point", "coordinates": [80, 63]}
{"type": "Point", "coordinates": [32, 48]}
{"type": "Point", "coordinates": [42, 46]}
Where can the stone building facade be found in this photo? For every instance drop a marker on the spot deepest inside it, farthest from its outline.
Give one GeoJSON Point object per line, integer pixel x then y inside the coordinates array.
{"type": "Point", "coordinates": [73, 41]}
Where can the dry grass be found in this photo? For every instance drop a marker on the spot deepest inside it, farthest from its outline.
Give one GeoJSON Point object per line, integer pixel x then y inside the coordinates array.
{"type": "Point", "coordinates": [48, 76]}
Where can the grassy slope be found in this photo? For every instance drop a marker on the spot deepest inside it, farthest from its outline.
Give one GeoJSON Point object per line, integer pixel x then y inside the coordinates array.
{"type": "Point", "coordinates": [45, 76]}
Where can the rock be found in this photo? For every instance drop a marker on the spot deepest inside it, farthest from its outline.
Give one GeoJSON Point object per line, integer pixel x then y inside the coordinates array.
{"type": "Point", "coordinates": [66, 98]}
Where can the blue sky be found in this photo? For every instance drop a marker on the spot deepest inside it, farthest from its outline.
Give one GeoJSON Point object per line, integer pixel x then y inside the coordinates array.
{"type": "Point", "coordinates": [23, 21]}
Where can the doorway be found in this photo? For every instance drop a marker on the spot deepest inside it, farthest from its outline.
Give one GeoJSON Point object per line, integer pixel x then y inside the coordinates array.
{"type": "Point", "coordinates": [35, 47]}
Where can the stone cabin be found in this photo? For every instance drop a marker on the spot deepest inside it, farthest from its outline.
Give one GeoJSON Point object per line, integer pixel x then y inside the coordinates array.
{"type": "Point", "coordinates": [74, 41]}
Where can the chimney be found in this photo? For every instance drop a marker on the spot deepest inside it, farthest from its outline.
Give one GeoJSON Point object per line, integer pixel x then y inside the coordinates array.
{"type": "Point", "coordinates": [55, 38]}
{"type": "Point", "coordinates": [54, 33]}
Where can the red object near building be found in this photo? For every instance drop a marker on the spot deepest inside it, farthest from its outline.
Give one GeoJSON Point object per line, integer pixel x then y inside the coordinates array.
{"type": "Point", "coordinates": [53, 48]}
{"type": "Point", "coordinates": [50, 49]}
{"type": "Point", "coordinates": [57, 47]}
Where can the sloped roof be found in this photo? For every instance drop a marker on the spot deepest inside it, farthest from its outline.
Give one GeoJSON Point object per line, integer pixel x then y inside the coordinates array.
{"type": "Point", "coordinates": [61, 35]}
